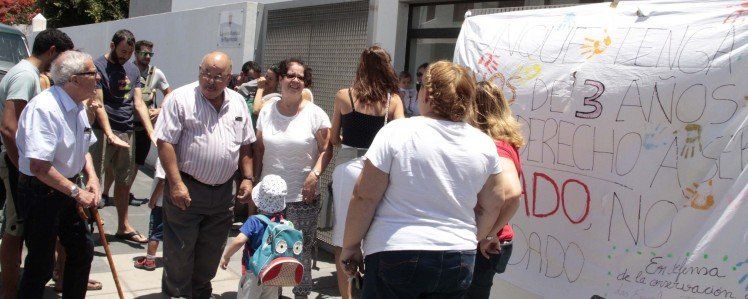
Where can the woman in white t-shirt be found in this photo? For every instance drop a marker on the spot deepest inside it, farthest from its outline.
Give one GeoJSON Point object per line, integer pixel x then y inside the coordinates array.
{"type": "Point", "coordinates": [427, 193]}
{"type": "Point", "coordinates": [292, 139]}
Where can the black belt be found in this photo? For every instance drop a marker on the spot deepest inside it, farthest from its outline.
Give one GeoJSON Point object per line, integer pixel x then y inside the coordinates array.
{"type": "Point", "coordinates": [32, 180]}
{"type": "Point", "coordinates": [194, 180]}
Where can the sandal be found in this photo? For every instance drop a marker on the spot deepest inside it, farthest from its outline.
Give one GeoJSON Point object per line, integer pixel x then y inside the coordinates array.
{"type": "Point", "coordinates": [131, 236]}
{"type": "Point", "coordinates": [93, 285]}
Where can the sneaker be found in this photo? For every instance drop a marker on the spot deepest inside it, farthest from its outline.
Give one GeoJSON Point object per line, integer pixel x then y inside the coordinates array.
{"type": "Point", "coordinates": [145, 264]}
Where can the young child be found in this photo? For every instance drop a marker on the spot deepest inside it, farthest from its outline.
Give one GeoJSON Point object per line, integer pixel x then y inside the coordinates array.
{"type": "Point", "coordinates": [408, 94]}
{"type": "Point", "coordinates": [270, 198]}
{"type": "Point", "coordinates": [156, 226]}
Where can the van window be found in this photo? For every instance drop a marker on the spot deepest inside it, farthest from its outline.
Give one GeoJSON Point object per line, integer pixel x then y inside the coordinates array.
{"type": "Point", "coordinates": [12, 48]}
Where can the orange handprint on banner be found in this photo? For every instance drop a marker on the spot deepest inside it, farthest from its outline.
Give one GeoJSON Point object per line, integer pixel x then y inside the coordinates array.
{"type": "Point", "coordinates": [696, 198]}
{"type": "Point", "coordinates": [592, 46]}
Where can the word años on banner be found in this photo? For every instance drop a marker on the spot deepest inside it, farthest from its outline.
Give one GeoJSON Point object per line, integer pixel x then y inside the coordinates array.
{"type": "Point", "coordinates": [658, 101]}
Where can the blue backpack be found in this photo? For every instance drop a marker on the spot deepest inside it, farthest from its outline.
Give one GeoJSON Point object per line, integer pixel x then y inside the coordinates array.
{"type": "Point", "coordinates": [276, 261]}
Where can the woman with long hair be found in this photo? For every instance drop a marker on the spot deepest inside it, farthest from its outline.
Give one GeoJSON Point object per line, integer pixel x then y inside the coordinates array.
{"type": "Point", "coordinates": [428, 192]}
{"type": "Point", "coordinates": [292, 139]}
{"type": "Point", "coordinates": [359, 112]}
{"type": "Point", "coordinates": [491, 114]}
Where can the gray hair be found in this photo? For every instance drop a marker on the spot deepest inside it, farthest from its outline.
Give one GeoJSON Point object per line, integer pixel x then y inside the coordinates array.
{"type": "Point", "coordinates": [68, 64]}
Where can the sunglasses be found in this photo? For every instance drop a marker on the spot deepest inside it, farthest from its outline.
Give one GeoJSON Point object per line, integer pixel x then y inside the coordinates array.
{"type": "Point", "coordinates": [144, 53]}
{"type": "Point", "coordinates": [292, 76]}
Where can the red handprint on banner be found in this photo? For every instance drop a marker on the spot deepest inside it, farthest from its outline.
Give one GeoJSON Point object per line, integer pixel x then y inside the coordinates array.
{"type": "Point", "coordinates": [490, 62]}
{"type": "Point", "coordinates": [736, 15]}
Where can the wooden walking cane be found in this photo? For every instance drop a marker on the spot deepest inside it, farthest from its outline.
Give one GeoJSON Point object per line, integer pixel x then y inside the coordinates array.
{"type": "Point", "coordinates": [95, 214]}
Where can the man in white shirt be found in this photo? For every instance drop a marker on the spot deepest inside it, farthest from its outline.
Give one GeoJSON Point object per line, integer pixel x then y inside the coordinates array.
{"type": "Point", "coordinates": [204, 133]}
{"type": "Point", "coordinates": [53, 139]}
{"type": "Point", "coordinates": [16, 90]}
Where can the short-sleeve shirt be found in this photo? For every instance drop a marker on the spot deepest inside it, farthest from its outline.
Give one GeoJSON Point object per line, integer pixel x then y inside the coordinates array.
{"type": "Point", "coordinates": [506, 150]}
{"type": "Point", "coordinates": [157, 82]}
{"type": "Point", "coordinates": [118, 83]}
{"type": "Point", "coordinates": [410, 101]}
{"type": "Point", "coordinates": [54, 128]}
{"type": "Point", "coordinates": [206, 141]}
{"type": "Point", "coordinates": [436, 170]}
{"type": "Point", "coordinates": [254, 228]}
{"type": "Point", "coordinates": [21, 83]}
{"type": "Point", "coordinates": [290, 145]}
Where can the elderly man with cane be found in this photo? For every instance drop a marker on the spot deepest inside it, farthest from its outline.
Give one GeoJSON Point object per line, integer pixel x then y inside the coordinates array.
{"type": "Point", "coordinates": [53, 139]}
{"type": "Point", "coordinates": [204, 134]}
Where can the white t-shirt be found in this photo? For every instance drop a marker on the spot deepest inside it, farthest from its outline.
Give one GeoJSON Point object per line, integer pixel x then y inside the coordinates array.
{"type": "Point", "coordinates": [160, 174]}
{"type": "Point", "coordinates": [290, 147]}
{"type": "Point", "coordinates": [436, 170]}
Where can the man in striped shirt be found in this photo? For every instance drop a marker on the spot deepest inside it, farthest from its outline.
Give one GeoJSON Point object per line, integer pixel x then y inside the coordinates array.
{"type": "Point", "coordinates": [204, 133]}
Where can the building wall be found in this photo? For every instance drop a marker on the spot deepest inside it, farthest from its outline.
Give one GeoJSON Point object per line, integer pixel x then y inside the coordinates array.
{"type": "Point", "coordinates": [181, 39]}
{"type": "Point", "coordinates": [140, 8]}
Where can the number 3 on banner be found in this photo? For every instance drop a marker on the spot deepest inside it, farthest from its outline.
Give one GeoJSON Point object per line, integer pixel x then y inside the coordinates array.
{"type": "Point", "coordinates": [592, 101]}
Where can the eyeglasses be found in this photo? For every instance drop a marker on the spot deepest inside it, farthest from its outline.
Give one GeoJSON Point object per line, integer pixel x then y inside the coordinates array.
{"type": "Point", "coordinates": [145, 53]}
{"type": "Point", "coordinates": [292, 76]}
{"type": "Point", "coordinates": [217, 78]}
{"type": "Point", "coordinates": [92, 73]}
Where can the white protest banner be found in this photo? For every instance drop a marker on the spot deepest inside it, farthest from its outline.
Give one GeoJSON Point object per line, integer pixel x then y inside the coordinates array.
{"type": "Point", "coordinates": [636, 123]}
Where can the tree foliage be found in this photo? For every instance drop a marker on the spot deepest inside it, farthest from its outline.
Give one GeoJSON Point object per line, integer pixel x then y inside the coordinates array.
{"type": "Point", "coordinates": [64, 13]}
{"type": "Point", "coordinates": [14, 12]}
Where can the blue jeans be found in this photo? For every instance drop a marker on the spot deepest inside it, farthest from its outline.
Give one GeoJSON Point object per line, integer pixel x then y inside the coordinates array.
{"type": "Point", "coordinates": [49, 214]}
{"type": "Point", "coordinates": [418, 274]}
{"type": "Point", "coordinates": [485, 270]}
{"type": "Point", "coordinates": [156, 225]}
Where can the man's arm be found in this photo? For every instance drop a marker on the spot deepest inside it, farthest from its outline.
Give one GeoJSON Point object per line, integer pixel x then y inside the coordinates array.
{"type": "Point", "coordinates": [9, 126]}
{"type": "Point", "coordinates": [92, 185]}
{"type": "Point", "coordinates": [103, 120]}
{"type": "Point", "coordinates": [245, 166]}
{"type": "Point", "coordinates": [168, 157]}
{"type": "Point", "coordinates": [45, 172]}
{"type": "Point", "coordinates": [180, 196]}
{"type": "Point", "coordinates": [142, 111]}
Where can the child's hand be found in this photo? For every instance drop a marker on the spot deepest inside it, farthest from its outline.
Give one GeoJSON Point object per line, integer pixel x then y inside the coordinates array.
{"type": "Point", "coordinates": [224, 262]}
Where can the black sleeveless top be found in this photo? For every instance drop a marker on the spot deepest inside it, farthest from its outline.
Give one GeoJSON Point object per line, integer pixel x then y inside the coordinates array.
{"type": "Point", "coordinates": [359, 129]}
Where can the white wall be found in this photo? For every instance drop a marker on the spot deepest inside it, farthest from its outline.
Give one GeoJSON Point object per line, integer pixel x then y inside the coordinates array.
{"type": "Point", "coordinates": [181, 38]}
{"type": "Point", "coordinates": [179, 5]}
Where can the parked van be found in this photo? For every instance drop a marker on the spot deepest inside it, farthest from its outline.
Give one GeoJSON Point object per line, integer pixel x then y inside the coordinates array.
{"type": "Point", "coordinates": [13, 48]}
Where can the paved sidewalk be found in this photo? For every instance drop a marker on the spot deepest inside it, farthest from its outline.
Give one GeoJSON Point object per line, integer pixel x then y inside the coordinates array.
{"type": "Point", "coordinates": [137, 283]}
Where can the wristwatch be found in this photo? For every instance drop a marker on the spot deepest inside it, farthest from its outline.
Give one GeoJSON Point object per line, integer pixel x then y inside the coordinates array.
{"type": "Point", "coordinates": [316, 173]}
{"type": "Point", "coordinates": [489, 238]}
{"type": "Point", "coordinates": [249, 178]}
{"type": "Point", "coordinates": [74, 190]}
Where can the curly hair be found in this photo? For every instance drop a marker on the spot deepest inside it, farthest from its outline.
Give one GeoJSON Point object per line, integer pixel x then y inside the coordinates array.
{"type": "Point", "coordinates": [285, 64]}
{"type": "Point", "coordinates": [450, 90]}
{"type": "Point", "coordinates": [491, 114]}
{"type": "Point", "coordinates": [375, 77]}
